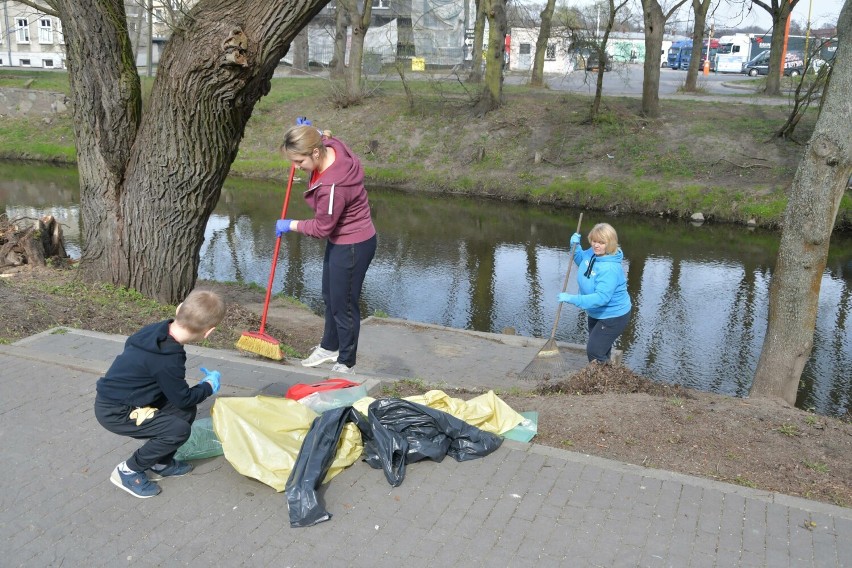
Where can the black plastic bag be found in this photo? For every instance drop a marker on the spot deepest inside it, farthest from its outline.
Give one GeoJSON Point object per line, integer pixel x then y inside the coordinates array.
{"type": "Point", "coordinates": [401, 428]}
{"type": "Point", "coordinates": [315, 457]}
{"type": "Point", "coordinates": [395, 433]}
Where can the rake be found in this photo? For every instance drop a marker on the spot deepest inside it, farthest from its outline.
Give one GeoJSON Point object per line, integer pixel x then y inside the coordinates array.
{"type": "Point", "coordinates": [549, 362]}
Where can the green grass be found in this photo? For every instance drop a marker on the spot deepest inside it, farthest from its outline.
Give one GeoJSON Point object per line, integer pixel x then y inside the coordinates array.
{"type": "Point", "coordinates": [395, 389]}
{"type": "Point", "coordinates": [788, 429]}
{"type": "Point", "coordinates": [422, 148]}
{"type": "Point", "coordinates": [818, 467]}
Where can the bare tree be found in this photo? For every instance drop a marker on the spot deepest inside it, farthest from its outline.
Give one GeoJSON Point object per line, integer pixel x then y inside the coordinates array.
{"type": "Point", "coordinates": [821, 179]}
{"type": "Point", "coordinates": [699, 9]}
{"type": "Point", "coordinates": [478, 39]}
{"type": "Point", "coordinates": [149, 181]}
{"type": "Point", "coordinates": [337, 65]}
{"type": "Point", "coordinates": [585, 36]}
{"type": "Point", "coordinates": [301, 52]}
{"type": "Point", "coordinates": [492, 91]}
{"type": "Point", "coordinates": [779, 11]}
{"type": "Point", "coordinates": [807, 92]}
{"type": "Point", "coordinates": [655, 26]}
{"type": "Point", "coordinates": [603, 56]}
{"type": "Point", "coordinates": [359, 17]}
{"type": "Point", "coordinates": [537, 77]}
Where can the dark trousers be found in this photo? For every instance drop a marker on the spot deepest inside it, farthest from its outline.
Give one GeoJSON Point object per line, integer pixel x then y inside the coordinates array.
{"type": "Point", "coordinates": [602, 334]}
{"type": "Point", "coordinates": [165, 432]}
{"type": "Point", "coordinates": [343, 270]}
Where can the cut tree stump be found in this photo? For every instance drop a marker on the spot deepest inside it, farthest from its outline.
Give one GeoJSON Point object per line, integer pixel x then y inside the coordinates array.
{"type": "Point", "coordinates": [28, 241]}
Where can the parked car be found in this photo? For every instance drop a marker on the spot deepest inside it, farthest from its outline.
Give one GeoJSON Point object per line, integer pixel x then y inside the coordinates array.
{"type": "Point", "coordinates": [759, 65]}
{"type": "Point", "coordinates": [592, 62]}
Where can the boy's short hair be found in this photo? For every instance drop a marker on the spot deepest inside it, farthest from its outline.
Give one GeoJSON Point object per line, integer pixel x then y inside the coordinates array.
{"type": "Point", "coordinates": [201, 311]}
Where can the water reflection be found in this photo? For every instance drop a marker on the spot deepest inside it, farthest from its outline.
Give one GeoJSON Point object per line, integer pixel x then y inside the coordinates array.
{"type": "Point", "coordinates": [700, 293]}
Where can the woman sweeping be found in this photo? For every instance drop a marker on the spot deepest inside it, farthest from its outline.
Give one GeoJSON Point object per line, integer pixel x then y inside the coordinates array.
{"type": "Point", "coordinates": [338, 198]}
{"type": "Point", "coordinates": [602, 290]}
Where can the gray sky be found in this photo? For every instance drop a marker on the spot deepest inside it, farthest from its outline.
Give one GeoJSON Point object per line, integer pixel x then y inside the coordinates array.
{"type": "Point", "coordinates": [822, 11]}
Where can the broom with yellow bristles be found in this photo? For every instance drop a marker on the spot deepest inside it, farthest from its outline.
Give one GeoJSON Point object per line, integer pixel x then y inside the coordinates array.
{"type": "Point", "coordinates": [260, 342]}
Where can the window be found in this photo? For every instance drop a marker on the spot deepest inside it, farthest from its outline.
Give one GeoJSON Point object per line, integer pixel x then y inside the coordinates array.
{"type": "Point", "coordinates": [25, 62]}
{"type": "Point", "coordinates": [23, 30]}
{"type": "Point", "coordinates": [45, 31]}
{"type": "Point", "coordinates": [550, 52]}
{"type": "Point", "coordinates": [524, 49]}
{"type": "Point", "coordinates": [381, 4]}
{"type": "Point", "coordinates": [47, 63]}
{"type": "Point", "coordinates": [158, 15]}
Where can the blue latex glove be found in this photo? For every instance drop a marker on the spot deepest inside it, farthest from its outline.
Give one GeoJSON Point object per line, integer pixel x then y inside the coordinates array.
{"type": "Point", "coordinates": [575, 239]}
{"type": "Point", "coordinates": [569, 298]}
{"type": "Point", "coordinates": [211, 377]}
{"type": "Point", "coordinates": [302, 120]}
{"type": "Point", "coordinates": [282, 226]}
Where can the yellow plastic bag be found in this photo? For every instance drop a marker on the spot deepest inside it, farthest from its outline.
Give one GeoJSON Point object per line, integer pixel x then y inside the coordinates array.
{"type": "Point", "coordinates": [261, 437]}
{"type": "Point", "coordinates": [487, 411]}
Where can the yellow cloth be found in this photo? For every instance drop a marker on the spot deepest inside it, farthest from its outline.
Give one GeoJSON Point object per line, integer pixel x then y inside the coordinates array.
{"type": "Point", "coordinates": [487, 411]}
{"type": "Point", "coordinates": [140, 415]}
{"type": "Point", "coordinates": [261, 437]}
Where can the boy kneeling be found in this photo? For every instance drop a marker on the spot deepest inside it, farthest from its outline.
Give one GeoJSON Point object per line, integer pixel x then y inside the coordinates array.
{"type": "Point", "coordinates": [144, 394]}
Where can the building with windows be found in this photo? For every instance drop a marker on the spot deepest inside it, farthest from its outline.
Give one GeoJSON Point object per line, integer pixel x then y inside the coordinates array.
{"type": "Point", "coordinates": [29, 38]}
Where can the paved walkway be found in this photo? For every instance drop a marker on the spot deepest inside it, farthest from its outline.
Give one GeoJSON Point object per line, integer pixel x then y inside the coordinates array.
{"type": "Point", "coordinates": [524, 505]}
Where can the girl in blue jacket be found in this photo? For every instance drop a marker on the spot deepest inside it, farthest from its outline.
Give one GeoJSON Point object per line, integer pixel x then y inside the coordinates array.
{"type": "Point", "coordinates": [602, 289]}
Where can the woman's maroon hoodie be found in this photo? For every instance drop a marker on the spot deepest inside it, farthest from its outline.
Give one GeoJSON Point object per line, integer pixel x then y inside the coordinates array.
{"type": "Point", "coordinates": [339, 200]}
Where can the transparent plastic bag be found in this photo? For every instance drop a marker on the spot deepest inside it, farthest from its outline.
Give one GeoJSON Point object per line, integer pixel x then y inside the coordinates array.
{"type": "Point", "coordinates": [202, 442]}
{"type": "Point", "coordinates": [321, 401]}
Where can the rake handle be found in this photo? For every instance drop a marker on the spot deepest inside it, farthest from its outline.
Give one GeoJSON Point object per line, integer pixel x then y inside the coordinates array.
{"type": "Point", "coordinates": [565, 282]}
{"type": "Point", "coordinates": [275, 254]}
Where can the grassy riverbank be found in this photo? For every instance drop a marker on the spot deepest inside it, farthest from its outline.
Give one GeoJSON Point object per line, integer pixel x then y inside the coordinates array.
{"type": "Point", "coordinates": [720, 159]}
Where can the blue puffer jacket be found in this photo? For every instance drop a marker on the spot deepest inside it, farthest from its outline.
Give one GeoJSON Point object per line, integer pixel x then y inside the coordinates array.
{"type": "Point", "coordinates": [603, 293]}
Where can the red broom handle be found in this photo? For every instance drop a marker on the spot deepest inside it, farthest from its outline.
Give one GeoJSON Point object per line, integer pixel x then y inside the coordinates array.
{"type": "Point", "coordinates": [277, 248]}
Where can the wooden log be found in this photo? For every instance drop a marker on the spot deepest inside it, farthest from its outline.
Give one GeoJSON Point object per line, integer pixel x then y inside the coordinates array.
{"type": "Point", "coordinates": [33, 245]}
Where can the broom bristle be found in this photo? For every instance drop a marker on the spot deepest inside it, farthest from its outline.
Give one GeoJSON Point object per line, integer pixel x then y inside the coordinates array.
{"type": "Point", "coordinates": [547, 364]}
{"type": "Point", "coordinates": [262, 345]}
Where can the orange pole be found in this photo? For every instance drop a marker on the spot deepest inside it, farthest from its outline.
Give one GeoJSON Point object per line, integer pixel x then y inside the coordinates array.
{"type": "Point", "coordinates": [784, 47]}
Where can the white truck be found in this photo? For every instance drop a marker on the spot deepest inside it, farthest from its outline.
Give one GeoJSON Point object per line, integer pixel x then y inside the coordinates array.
{"type": "Point", "coordinates": [735, 50]}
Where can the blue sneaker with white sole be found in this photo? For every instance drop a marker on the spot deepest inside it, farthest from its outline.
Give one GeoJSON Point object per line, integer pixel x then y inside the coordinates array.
{"type": "Point", "coordinates": [136, 483]}
{"type": "Point", "coordinates": [175, 469]}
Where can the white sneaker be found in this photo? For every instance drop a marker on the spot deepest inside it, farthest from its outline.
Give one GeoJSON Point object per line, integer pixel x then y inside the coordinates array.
{"type": "Point", "coordinates": [319, 356]}
{"type": "Point", "coordinates": [341, 368]}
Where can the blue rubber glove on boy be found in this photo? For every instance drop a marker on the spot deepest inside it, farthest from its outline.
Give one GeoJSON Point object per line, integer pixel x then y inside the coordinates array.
{"type": "Point", "coordinates": [575, 239]}
{"type": "Point", "coordinates": [282, 226]}
{"type": "Point", "coordinates": [211, 377]}
{"type": "Point", "coordinates": [569, 298]}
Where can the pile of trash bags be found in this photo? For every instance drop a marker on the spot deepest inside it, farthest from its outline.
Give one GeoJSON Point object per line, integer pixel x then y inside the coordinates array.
{"type": "Point", "coordinates": [297, 445]}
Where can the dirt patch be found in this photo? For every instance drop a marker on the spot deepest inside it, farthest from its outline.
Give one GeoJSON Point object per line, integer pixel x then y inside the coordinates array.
{"type": "Point", "coordinates": [602, 410]}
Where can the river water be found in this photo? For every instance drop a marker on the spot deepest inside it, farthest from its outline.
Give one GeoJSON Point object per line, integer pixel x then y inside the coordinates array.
{"type": "Point", "coordinates": [700, 293]}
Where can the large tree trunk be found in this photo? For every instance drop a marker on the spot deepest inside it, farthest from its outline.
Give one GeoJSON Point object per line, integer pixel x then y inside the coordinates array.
{"type": "Point", "coordinates": [148, 183]}
{"type": "Point", "coordinates": [492, 91]}
{"type": "Point", "coordinates": [537, 77]}
{"type": "Point", "coordinates": [818, 186]}
{"type": "Point", "coordinates": [700, 11]}
{"type": "Point", "coordinates": [655, 24]}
